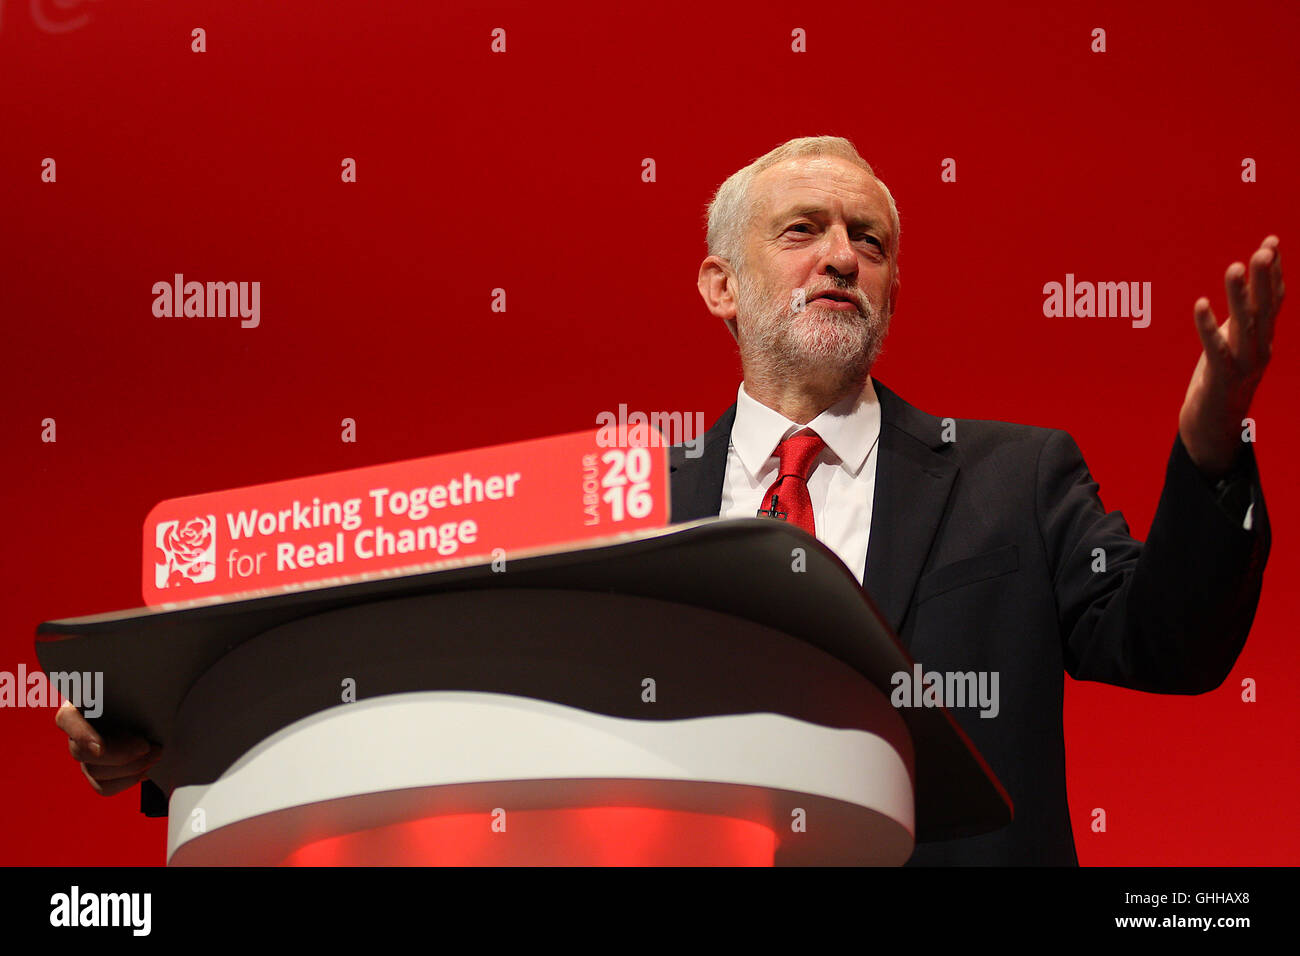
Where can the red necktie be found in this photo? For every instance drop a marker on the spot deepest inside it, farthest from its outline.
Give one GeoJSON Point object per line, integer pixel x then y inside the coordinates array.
{"type": "Point", "coordinates": [798, 452]}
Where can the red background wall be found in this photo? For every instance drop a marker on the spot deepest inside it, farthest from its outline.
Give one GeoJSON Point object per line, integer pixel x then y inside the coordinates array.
{"type": "Point", "coordinates": [522, 171]}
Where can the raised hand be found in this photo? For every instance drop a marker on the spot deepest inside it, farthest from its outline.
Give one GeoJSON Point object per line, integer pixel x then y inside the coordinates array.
{"type": "Point", "coordinates": [1233, 361]}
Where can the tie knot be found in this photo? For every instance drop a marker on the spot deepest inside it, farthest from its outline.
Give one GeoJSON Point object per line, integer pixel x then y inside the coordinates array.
{"type": "Point", "coordinates": [798, 452]}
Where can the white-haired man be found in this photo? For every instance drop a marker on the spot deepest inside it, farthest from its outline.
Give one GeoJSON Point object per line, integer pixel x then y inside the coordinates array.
{"type": "Point", "coordinates": [978, 547]}
{"type": "Point", "coordinates": [978, 551]}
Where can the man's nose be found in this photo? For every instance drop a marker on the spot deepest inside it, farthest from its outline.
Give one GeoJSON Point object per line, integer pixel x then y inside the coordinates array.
{"type": "Point", "coordinates": [838, 255]}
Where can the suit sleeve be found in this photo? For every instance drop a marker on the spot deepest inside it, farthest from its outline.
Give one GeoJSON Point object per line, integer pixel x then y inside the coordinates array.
{"type": "Point", "coordinates": [1169, 615]}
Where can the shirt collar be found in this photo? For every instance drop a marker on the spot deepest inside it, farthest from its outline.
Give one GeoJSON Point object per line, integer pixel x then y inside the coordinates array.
{"type": "Point", "coordinates": [850, 428]}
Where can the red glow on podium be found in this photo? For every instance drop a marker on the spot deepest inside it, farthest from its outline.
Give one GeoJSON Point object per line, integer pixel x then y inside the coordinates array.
{"type": "Point", "coordinates": [596, 836]}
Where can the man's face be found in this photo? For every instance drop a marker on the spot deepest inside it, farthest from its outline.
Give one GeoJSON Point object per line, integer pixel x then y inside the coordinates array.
{"type": "Point", "coordinates": [821, 224]}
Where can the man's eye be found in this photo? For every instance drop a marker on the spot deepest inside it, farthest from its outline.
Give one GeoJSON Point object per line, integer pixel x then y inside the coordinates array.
{"type": "Point", "coordinates": [808, 228]}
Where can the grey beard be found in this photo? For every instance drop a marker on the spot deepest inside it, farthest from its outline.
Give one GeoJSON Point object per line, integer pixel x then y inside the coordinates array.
{"type": "Point", "coordinates": [838, 348]}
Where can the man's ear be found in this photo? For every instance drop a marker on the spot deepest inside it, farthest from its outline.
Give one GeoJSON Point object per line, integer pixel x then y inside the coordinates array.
{"type": "Point", "coordinates": [893, 295]}
{"type": "Point", "coordinates": [717, 285]}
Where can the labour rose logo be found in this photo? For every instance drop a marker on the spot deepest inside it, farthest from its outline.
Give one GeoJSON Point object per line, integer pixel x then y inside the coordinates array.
{"type": "Point", "coordinates": [187, 552]}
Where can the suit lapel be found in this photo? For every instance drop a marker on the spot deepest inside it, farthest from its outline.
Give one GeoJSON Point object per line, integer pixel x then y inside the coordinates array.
{"type": "Point", "coordinates": [696, 483]}
{"type": "Point", "coordinates": [915, 473]}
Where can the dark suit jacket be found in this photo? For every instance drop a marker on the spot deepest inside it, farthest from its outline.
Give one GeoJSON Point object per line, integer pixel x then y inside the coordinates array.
{"type": "Point", "coordinates": [981, 557]}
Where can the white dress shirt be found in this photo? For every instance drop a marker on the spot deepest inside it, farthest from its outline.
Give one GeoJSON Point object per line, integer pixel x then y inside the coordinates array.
{"type": "Point", "coordinates": [842, 484]}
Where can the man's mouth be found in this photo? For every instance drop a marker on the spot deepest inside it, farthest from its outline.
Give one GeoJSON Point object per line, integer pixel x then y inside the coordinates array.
{"type": "Point", "coordinates": [836, 300]}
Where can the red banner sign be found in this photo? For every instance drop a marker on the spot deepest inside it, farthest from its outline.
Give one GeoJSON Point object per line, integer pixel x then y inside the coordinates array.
{"type": "Point", "coordinates": [471, 507]}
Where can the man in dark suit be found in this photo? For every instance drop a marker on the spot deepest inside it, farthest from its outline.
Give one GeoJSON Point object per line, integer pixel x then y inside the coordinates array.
{"type": "Point", "coordinates": [984, 544]}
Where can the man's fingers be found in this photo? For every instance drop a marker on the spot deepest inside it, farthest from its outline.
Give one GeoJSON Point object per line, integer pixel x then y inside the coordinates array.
{"type": "Point", "coordinates": [1234, 284]}
{"type": "Point", "coordinates": [1274, 243]}
{"type": "Point", "coordinates": [1277, 290]}
{"type": "Point", "coordinates": [111, 765]}
{"type": "Point", "coordinates": [114, 752]}
{"type": "Point", "coordinates": [69, 720]}
{"type": "Point", "coordinates": [1207, 326]}
{"type": "Point", "coordinates": [108, 788]}
{"type": "Point", "coordinates": [105, 772]}
{"type": "Point", "coordinates": [1261, 287]}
